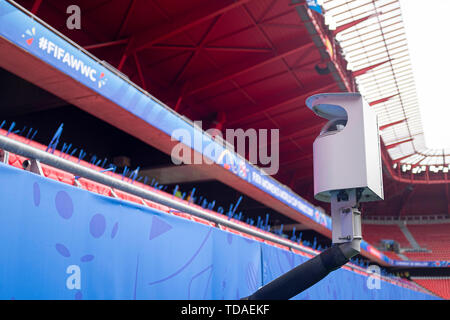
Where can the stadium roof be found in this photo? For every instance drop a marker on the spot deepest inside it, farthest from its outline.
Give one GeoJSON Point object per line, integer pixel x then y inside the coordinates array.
{"type": "Point", "coordinates": [251, 64]}
{"type": "Point", "coordinates": [374, 42]}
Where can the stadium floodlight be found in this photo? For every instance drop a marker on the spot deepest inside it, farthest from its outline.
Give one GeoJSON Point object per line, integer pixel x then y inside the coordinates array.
{"type": "Point", "coordinates": [347, 171]}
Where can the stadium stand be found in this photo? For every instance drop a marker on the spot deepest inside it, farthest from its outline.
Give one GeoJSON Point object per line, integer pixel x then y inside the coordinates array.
{"type": "Point", "coordinates": [434, 238]}
{"type": "Point", "coordinates": [67, 178]}
{"type": "Point", "coordinates": [438, 285]}
{"type": "Point", "coordinates": [375, 233]}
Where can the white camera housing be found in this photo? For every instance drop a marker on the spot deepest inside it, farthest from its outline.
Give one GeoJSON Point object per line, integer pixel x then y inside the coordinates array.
{"type": "Point", "coordinates": [347, 152]}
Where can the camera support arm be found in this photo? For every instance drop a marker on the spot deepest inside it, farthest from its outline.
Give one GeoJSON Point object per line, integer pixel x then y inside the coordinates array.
{"type": "Point", "coordinates": [346, 233]}
{"type": "Point", "coordinates": [346, 221]}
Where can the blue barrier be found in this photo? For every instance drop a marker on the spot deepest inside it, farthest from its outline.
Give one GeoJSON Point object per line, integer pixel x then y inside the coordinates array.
{"type": "Point", "coordinates": [61, 242]}
{"type": "Point", "coordinates": [49, 46]}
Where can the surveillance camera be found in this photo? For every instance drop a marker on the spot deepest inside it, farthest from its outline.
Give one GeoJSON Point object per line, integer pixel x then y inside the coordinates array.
{"type": "Point", "coordinates": [347, 151]}
{"type": "Point", "coordinates": [347, 170]}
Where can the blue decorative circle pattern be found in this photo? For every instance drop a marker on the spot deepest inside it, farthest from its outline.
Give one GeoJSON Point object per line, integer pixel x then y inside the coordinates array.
{"type": "Point", "coordinates": [64, 205]}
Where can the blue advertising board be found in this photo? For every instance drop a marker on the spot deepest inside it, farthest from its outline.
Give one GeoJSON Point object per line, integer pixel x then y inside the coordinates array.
{"type": "Point", "coordinates": [314, 5]}
{"type": "Point", "coordinates": [62, 242]}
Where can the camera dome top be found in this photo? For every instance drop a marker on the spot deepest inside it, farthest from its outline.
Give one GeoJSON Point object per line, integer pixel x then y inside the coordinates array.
{"type": "Point", "coordinates": [321, 104]}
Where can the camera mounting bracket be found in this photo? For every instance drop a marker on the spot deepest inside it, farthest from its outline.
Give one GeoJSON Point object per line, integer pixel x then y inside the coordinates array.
{"type": "Point", "coordinates": [346, 220]}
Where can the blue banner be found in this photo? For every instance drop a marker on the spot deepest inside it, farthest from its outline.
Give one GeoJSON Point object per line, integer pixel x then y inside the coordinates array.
{"type": "Point", "coordinates": [314, 5]}
{"type": "Point", "coordinates": [61, 242]}
{"type": "Point", "coordinates": [421, 264]}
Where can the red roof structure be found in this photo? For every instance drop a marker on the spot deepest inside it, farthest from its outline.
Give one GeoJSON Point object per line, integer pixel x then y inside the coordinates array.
{"type": "Point", "coordinates": [251, 64]}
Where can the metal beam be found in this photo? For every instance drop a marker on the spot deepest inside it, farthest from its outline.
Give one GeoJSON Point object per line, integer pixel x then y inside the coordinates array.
{"type": "Point", "coordinates": [352, 23]}
{"type": "Point", "coordinates": [36, 6]}
{"type": "Point", "coordinates": [391, 124]}
{"type": "Point", "coordinates": [305, 157]}
{"type": "Point", "coordinates": [140, 73]}
{"type": "Point", "coordinates": [294, 46]}
{"type": "Point", "coordinates": [270, 43]}
{"type": "Point", "coordinates": [393, 145]}
{"type": "Point", "coordinates": [366, 69]}
{"type": "Point", "coordinates": [126, 18]}
{"type": "Point", "coordinates": [149, 37]}
{"type": "Point", "coordinates": [294, 179]}
{"type": "Point", "coordinates": [296, 132]}
{"type": "Point", "coordinates": [198, 47]}
{"type": "Point", "coordinates": [239, 49]}
{"type": "Point", "coordinates": [402, 158]}
{"type": "Point", "coordinates": [382, 100]}
{"type": "Point", "coordinates": [106, 44]}
{"type": "Point", "coordinates": [259, 80]}
{"type": "Point", "coordinates": [299, 95]}
{"type": "Point", "coordinates": [267, 10]}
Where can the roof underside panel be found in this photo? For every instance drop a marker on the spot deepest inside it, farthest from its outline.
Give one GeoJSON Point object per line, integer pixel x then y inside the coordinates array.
{"type": "Point", "coordinates": [381, 39]}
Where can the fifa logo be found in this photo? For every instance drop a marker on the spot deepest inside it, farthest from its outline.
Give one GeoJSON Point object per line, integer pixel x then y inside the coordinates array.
{"type": "Point", "coordinates": [374, 279]}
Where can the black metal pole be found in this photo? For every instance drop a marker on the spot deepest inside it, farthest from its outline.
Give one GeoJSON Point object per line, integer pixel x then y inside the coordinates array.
{"type": "Point", "coordinates": [301, 277]}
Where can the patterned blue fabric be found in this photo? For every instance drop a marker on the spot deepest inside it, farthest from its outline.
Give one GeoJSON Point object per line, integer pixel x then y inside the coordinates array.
{"type": "Point", "coordinates": [61, 242]}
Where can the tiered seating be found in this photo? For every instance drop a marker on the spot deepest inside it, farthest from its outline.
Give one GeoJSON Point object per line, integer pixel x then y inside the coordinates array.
{"type": "Point", "coordinates": [427, 256]}
{"type": "Point", "coordinates": [373, 234]}
{"type": "Point", "coordinates": [434, 237]}
{"type": "Point", "coordinates": [439, 286]}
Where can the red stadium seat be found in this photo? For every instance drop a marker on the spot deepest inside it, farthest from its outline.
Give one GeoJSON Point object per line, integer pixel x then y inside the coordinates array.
{"type": "Point", "coordinates": [373, 234]}
{"type": "Point", "coordinates": [439, 286]}
{"type": "Point", "coordinates": [435, 238]}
